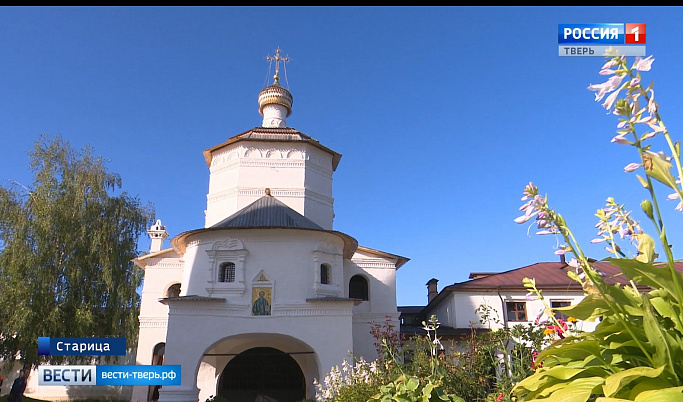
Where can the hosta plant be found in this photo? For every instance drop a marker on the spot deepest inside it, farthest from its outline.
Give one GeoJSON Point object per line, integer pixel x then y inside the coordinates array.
{"type": "Point", "coordinates": [635, 352]}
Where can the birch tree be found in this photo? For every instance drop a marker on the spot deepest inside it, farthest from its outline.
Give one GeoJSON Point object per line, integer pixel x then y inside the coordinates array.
{"type": "Point", "coordinates": [66, 245]}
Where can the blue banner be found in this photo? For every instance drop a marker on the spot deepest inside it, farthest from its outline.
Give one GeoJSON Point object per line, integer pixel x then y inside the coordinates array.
{"type": "Point", "coordinates": [597, 34]}
{"type": "Point", "coordinates": [109, 375]}
{"type": "Point", "coordinates": [81, 346]}
{"type": "Point", "coordinates": [138, 375]}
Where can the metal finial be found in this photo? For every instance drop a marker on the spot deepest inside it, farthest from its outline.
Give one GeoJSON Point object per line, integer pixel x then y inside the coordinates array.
{"type": "Point", "coordinates": [277, 59]}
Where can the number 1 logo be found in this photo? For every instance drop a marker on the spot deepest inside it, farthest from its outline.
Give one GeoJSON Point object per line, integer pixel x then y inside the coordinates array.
{"type": "Point", "coordinates": [635, 33]}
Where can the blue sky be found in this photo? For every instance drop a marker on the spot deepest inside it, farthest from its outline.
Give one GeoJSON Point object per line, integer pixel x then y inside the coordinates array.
{"type": "Point", "coordinates": [442, 114]}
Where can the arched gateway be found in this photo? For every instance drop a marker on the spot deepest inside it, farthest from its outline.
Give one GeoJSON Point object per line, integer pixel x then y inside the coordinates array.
{"type": "Point", "coordinates": [262, 373]}
{"type": "Point", "coordinates": [258, 367]}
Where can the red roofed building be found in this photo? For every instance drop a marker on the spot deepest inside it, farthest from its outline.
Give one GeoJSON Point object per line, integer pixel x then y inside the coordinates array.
{"type": "Point", "coordinates": [455, 306]}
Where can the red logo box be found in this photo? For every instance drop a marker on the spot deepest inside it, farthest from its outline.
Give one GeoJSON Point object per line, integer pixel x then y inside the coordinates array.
{"type": "Point", "coordinates": [635, 34]}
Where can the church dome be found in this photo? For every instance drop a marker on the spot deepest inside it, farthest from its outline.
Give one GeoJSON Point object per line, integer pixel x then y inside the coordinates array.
{"type": "Point", "coordinates": [275, 102]}
{"type": "Point", "coordinates": [275, 95]}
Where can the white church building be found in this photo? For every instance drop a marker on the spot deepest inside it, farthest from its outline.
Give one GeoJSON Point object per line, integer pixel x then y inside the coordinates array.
{"type": "Point", "coordinates": [267, 297]}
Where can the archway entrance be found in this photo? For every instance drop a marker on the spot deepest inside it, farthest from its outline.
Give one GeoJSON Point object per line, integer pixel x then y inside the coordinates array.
{"type": "Point", "coordinates": [264, 373]}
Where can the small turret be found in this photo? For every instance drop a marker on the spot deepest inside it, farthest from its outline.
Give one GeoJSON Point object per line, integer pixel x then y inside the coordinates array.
{"type": "Point", "coordinates": [158, 234]}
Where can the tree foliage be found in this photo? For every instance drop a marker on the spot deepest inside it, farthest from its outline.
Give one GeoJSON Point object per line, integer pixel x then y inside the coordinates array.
{"type": "Point", "coordinates": [66, 245]}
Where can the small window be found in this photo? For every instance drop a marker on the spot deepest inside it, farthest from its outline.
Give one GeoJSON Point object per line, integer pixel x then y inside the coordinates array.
{"type": "Point", "coordinates": [558, 314]}
{"type": "Point", "coordinates": [516, 311]}
{"type": "Point", "coordinates": [324, 274]}
{"type": "Point", "coordinates": [358, 288]}
{"type": "Point", "coordinates": [227, 272]}
{"type": "Point", "coordinates": [173, 290]}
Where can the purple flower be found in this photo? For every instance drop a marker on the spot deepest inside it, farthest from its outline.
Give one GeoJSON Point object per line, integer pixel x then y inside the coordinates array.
{"type": "Point", "coordinates": [648, 135]}
{"type": "Point", "coordinates": [621, 139]}
{"type": "Point", "coordinates": [608, 86]}
{"type": "Point", "coordinates": [631, 167]}
{"type": "Point", "coordinates": [561, 251]}
{"type": "Point", "coordinates": [643, 64]}
{"type": "Point", "coordinates": [610, 63]}
{"type": "Point", "coordinates": [523, 218]}
{"type": "Point", "coordinates": [609, 102]}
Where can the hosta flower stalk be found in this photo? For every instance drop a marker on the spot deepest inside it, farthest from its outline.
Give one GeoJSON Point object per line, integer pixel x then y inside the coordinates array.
{"type": "Point", "coordinates": [636, 350]}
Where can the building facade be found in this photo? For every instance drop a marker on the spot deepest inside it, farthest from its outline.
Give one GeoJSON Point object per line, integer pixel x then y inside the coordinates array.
{"type": "Point", "coordinates": [267, 297]}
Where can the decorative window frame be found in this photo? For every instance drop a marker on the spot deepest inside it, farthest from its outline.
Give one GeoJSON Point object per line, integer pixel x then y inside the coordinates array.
{"type": "Point", "coordinates": [328, 254]}
{"type": "Point", "coordinates": [228, 250]}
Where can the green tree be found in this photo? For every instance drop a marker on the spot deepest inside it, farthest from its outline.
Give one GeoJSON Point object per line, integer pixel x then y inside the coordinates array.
{"type": "Point", "coordinates": [66, 245]}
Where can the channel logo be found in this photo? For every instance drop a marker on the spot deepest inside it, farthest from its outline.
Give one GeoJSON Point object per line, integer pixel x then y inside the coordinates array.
{"type": "Point", "coordinates": [613, 39]}
{"type": "Point", "coordinates": [602, 34]}
{"type": "Point", "coordinates": [635, 34]}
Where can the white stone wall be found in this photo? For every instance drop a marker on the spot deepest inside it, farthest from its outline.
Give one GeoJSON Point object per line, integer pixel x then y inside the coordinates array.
{"type": "Point", "coordinates": [298, 174]}
{"type": "Point", "coordinates": [459, 309]}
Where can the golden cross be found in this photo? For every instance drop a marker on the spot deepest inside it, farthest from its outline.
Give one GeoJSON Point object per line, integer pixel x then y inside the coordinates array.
{"type": "Point", "coordinates": [277, 58]}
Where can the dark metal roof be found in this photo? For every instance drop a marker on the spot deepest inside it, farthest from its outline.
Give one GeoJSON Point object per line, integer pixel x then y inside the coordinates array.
{"type": "Point", "coordinates": [192, 298]}
{"type": "Point", "coordinates": [410, 309]}
{"type": "Point", "coordinates": [267, 212]}
{"type": "Point", "coordinates": [277, 134]}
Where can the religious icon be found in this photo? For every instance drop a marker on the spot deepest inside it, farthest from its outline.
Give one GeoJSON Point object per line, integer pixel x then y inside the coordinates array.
{"type": "Point", "coordinates": [261, 301]}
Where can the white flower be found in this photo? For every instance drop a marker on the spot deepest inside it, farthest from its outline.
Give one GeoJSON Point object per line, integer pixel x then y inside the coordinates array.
{"type": "Point", "coordinates": [643, 64]}
{"type": "Point", "coordinates": [608, 86]}
{"type": "Point", "coordinates": [621, 139]}
{"type": "Point", "coordinates": [631, 167]}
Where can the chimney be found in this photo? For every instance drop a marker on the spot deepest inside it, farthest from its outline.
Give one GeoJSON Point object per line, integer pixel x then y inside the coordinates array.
{"type": "Point", "coordinates": [158, 234]}
{"type": "Point", "coordinates": [432, 289]}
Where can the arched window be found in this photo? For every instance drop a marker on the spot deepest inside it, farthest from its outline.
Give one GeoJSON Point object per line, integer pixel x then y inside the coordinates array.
{"type": "Point", "coordinates": [227, 272]}
{"type": "Point", "coordinates": [173, 290]}
{"type": "Point", "coordinates": [358, 287]}
{"type": "Point", "coordinates": [324, 274]}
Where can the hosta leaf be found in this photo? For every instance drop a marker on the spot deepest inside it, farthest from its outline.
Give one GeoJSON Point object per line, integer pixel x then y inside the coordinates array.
{"type": "Point", "coordinates": [591, 307]}
{"type": "Point", "coordinates": [573, 349]}
{"type": "Point", "coordinates": [648, 274]}
{"type": "Point", "coordinates": [674, 394]}
{"type": "Point", "coordinates": [616, 381]}
{"type": "Point", "coordinates": [666, 310]}
{"type": "Point", "coordinates": [664, 347]}
{"type": "Point", "coordinates": [649, 384]}
{"type": "Point", "coordinates": [578, 390]}
{"type": "Point", "coordinates": [412, 383]}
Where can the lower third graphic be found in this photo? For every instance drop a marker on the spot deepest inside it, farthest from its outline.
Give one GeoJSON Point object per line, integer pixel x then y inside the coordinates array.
{"type": "Point", "coordinates": [109, 375]}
